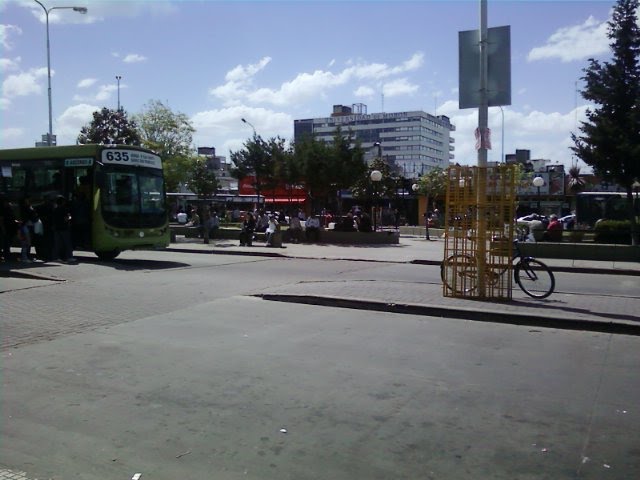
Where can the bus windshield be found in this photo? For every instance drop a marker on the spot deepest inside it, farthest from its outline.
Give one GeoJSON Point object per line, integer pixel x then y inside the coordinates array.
{"type": "Point", "coordinates": [133, 197]}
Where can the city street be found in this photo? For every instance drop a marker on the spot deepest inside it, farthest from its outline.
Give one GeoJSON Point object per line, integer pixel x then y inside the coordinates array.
{"type": "Point", "coordinates": [170, 364]}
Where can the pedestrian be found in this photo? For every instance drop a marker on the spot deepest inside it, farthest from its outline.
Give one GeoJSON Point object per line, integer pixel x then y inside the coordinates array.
{"type": "Point", "coordinates": [44, 242]}
{"type": "Point", "coordinates": [248, 227]}
{"type": "Point", "coordinates": [62, 247]}
{"type": "Point", "coordinates": [262, 222]}
{"type": "Point", "coordinates": [28, 218]}
{"type": "Point", "coordinates": [364, 222]}
{"type": "Point", "coordinates": [295, 229]}
{"type": "Point", "coordinates": [272, 227]}
{"type": "Point", "coordinates": [81, 224]}
{"type": "Point", "coordinates": [554, 230]}
{"type": "Point", "coordinates": [9, 225]}
{"type": "Point", "coordinates": [312, 228]}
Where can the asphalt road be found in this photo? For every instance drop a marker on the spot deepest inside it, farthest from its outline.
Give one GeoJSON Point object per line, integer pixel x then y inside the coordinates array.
{"type": "Point", "coordinates": [172, 368]}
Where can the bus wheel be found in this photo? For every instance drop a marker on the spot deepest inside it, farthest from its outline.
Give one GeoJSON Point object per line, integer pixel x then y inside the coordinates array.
{"type": "Point", "coordinates": [108, 255]}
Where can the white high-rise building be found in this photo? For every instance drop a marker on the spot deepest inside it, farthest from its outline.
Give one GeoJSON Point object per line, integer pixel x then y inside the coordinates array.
{"type": "Point", "coordinates": [415, 142]}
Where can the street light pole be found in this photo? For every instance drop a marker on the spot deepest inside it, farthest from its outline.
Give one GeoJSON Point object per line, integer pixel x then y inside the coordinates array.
{"type": "Point", "coordinates": [379, 145]}
{"type": "Point", "coordinates": [118, 78]}
{"type": "Point", "coordinates": [376, 176]}
{"type": "Point", "coordinates": [82, 10]}
{"type": "Point", "coordinates": [252, 127]}
{"type": "Point", "coordinates": [538, 182]}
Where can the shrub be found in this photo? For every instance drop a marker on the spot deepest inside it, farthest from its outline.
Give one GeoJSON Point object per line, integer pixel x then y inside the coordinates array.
{"type": "Point", "coordinates": [613, 231]}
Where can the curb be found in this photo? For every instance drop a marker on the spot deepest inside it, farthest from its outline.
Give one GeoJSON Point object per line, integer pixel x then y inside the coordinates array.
{"type": "Point", "coordinates": [461, 313]}
{"type": "Point", "coordinates": [557, 268]}
{"type": "Point", "coordinates": [257, 253]}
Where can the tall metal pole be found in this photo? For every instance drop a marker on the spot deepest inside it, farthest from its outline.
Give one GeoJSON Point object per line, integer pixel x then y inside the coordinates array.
{"type": "Point", "coordinates": [483, 137]}
{"type": "Point", "coordinates": [50, 133]}
{"type": "Point", "coordinates": [46, 15]}
{"type": "Point", "coordinates": [255, 135]}
{"type": "Point", "coordinates": [502, 141]}
{"type": "Point", "coordinates": [118, 78]}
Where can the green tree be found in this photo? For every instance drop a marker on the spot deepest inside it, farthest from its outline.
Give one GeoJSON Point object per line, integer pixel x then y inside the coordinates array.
{"type": "Point", "coordinates": [254, 159]}
{"type": "Point", "coordinates": [347, 162]}
{"type": "Point", "coordinates": [312, 157]}
{"type": "Point", "coordinates": [170, 135]}
{"type": "Point", "coordinates": [610, 140]}
{"type": "Point", "coordinates": [364, 188]}
{"type": "Point", "coordinates": [433, 185]}
{"type": "Point", "coordinates": [110, 127]}
{"type": "Point", "coordinates": [203, 180]}
{"type": "Point", "coordinates": [329, 167]}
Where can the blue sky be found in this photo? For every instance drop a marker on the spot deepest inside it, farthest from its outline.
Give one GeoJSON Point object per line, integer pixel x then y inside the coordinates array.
{"type": "Point", "coordinates": [272, 62]}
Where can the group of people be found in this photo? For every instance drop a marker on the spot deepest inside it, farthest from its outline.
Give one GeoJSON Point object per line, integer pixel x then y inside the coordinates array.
{"type": "Point", "coordinates": [48, 228]}
{"type": "Point", "coordinates": [545, 229]}
{"type": "Point", "coordinates": [270, 224]}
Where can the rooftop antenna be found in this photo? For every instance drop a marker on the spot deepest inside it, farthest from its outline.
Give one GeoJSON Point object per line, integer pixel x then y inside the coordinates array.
{"type": "Point", "coordinates": [382, 95]}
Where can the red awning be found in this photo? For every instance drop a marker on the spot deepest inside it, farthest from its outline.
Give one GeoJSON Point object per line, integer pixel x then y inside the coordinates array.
{"type": "Point", "coordinates": [284, 200]}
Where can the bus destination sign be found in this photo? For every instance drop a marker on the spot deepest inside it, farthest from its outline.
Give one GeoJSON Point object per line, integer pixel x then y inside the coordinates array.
{"type": "Point", "coordinates": [131, 157]}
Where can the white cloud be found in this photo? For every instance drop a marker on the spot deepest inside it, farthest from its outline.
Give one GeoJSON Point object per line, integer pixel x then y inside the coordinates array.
{"type": "Point", "coordinates": [364, 92]}
{"type": "Point", "coordinates": [103, 93]}
{"type": "Point", "coordinates": [301, 89]}
{"type": "Point", "coordinates": [25, 83]}
{"type": "Point", "coordinates": [4, 103]}
{"type": "Point", "coordinates": [69, 123]}
{"type": "Point", "coordinates": [222, 122]}
{"type": "Point", "coordinates": [306, 86]}
{"type": "Point", "coordinates": [134, 58]}
{"type": "Point", "coordinates": [244, 73]}
{"type": "Point", "coordinates": [87, 82]}
{"type": "Point", "coordinates": [7, 64]}
{"type": "Point", "coordinates": [6, 31]}
{"type": "Point", "coordinates": [398, 87]}
{"type": "Point", "coordinates": [546, 135]}
{"type": "Point", "coordinates": [574, 43]}
{"type": "Point", "coordinates": [10, 134]}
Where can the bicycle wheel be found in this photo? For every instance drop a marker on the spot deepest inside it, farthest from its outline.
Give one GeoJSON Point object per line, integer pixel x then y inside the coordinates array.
{"type": "Point", "coordinates": [534, 278]}
{"type": "Point", "coordinates": [458, 273]}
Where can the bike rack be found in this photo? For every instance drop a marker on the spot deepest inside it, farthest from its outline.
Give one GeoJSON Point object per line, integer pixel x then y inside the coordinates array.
{"type": "Point", "coordinates": [479, 232]}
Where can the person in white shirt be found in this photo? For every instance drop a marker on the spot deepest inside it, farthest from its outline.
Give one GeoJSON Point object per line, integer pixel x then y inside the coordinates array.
{"type": "Point", "coordinates": [272, 227]}
{"type": "Point", "coordinates": [312, 228]}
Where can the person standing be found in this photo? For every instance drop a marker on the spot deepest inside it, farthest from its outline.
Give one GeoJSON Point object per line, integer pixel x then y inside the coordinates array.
{"type": "Point", "coordinates": [62, 247]}
{"type": "Point", "coordinates": [44, 244]}
{"type": "Point", "coordinates": [9, 225]}
{"type": "Point", "coordinates": [28, 218]}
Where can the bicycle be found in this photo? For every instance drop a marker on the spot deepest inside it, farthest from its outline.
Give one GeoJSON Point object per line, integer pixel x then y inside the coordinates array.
{"type": "Point", "coordinates": [532, 276]}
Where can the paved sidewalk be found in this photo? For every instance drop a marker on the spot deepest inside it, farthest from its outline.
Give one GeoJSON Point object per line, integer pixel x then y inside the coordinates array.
{"type": "Point", "coordinates": [604, 313]}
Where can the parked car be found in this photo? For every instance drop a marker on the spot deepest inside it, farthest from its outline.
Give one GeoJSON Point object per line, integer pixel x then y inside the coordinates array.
{"type": "Point", "coordinates": [568, 221]}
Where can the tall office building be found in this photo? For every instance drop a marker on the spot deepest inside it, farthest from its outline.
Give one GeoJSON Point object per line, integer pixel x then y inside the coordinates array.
{"type": "Point", "coordinates": [415, 142]}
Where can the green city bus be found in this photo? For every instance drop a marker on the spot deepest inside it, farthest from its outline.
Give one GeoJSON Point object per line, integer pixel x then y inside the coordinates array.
{"type": "Point", "coordinates": [122, 185]}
